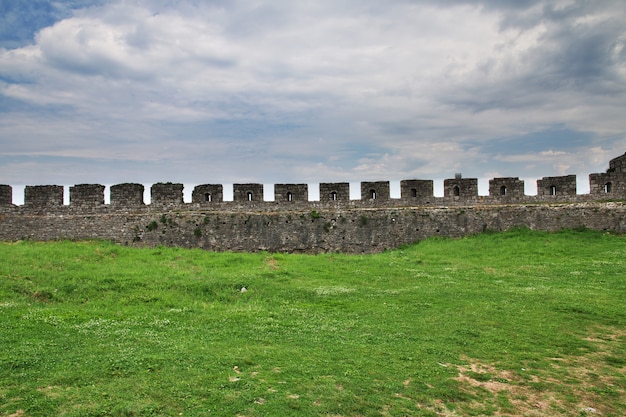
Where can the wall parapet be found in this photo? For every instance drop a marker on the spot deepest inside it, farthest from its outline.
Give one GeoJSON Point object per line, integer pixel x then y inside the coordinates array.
{"type": "Point", "coordinates": [457, 192]}
{"type": "Point", "coordinates": [6, 195]}
{"type": "Point", "coordinates": [43, 196]}
{"type": "Point", "coordinates": [87, 195]}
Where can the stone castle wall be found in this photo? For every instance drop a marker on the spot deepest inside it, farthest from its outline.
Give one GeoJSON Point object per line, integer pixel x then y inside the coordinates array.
{"type": "Point", "coordinates": [292, 223]}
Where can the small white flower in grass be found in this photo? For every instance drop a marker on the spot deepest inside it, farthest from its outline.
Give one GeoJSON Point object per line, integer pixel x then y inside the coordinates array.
{"type": "Point", "coordinates": [243, 289]}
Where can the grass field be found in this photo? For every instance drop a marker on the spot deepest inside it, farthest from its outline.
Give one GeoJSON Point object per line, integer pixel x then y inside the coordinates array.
{"type": "Point", "coordinates": [518, 323]}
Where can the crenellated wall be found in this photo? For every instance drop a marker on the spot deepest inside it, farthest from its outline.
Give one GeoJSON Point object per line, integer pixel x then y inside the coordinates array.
{"type": "Point", "coordinates": [507, 189]}
{"type": "Point", "coordinates": [6, 195]}
{"type": "Point", "coordinates": [208, 193]}
{"type": "Point", "coordinates": [87, 195]}
{"type": "Point", "coordinates": [379, 191]}
{"type": "Point", "coordinates": [338, 192]}
{"type": "Point", "coordinates": [166, 194]}
{"type": "Point", "coordinates": [461, 188]}
{"type": "Point", "coordinates": [43, 196]}
{"type": "Point", "coordinates": [127, 195]}
{"type": "Point", "coordinates": [417, 191]}
{"type": "Point", "coordinates": [618, 164]}
{"type": "Point", "coordinates": [602, 185]}
{"type": "Point", "coordinates": [551, 186]}
{"type": "Point", "coordinates": [292, 223]}
{"type": "Point", "coordinates": [247, 192]}
{"type": "Point", "coordinates": [288, 193]}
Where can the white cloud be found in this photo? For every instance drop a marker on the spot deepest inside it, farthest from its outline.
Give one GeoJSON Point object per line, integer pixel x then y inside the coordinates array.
{"type": "Point", "coordinates": [319, 91]}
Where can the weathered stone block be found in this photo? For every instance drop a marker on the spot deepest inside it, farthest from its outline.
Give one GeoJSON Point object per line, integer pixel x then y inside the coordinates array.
{"type": "Point", "coordinates": [460, 188]}
{"type": "Point", "coordinates": [166, 194]}
{"type": "Point", "coordinates": [86, 195]}
{"type": "Point", "coordinates": [127, 195]}
{"type": "Point", "coordinates": [618, 164]}
{"type": "Point", "coordinates": [43, 196]}
{"type": "Point", "coordinates": [337, 192]}
{"type": "Point", "coordinates": [609, 185]}
{"type": "Point", "coordinates": [6, 195]}
{"type": "Point", "coordinates": [506, 187]}
{"type": "Point", "coordinates": [555, 186]}
{"type": "Point", "coordinates": [248, 192]}
{"type": "Point", "coordinates": [416, 190]}
{"type": "Point", "coordinates": [208, 193]}
{"type": "Point", "coordinates": [375, 191]}
{"type": "Point", "coordinates": [291, 192]}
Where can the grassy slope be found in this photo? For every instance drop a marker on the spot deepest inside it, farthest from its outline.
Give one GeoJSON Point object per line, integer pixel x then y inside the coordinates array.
{"type": "Point", "coordinates": [519, 323]}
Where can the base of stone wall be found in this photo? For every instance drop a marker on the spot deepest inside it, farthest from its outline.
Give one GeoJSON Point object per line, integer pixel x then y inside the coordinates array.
{"type": "Point", "coordinates": [327, 229]}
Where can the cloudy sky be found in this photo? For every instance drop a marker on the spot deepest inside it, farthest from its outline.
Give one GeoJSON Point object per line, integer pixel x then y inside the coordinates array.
{"type": "Point", "coordinates": [221, 91]}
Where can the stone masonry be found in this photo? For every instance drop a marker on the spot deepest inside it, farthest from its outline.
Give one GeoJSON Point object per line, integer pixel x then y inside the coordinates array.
{"type": "Point", "coordinates": [292, 223]}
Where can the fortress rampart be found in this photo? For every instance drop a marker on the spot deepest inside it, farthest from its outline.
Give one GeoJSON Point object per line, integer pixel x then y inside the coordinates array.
{"type": "Point", "coordinates": [292, 223]}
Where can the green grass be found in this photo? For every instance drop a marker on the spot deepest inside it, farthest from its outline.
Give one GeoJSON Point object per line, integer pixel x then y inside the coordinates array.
{"type": "Point", "coordinates": [518, 323]}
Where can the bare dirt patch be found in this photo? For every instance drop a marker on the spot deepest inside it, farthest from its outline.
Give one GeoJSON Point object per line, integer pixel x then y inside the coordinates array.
{"type": "Point", "coordinates": [272, 263]}
{"type": "Point", "coordinates": [51, 392]}
{"type": "Point", "coordinates": [43, 296]}
{"type": "Point", "coordinates": [592, 384]}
